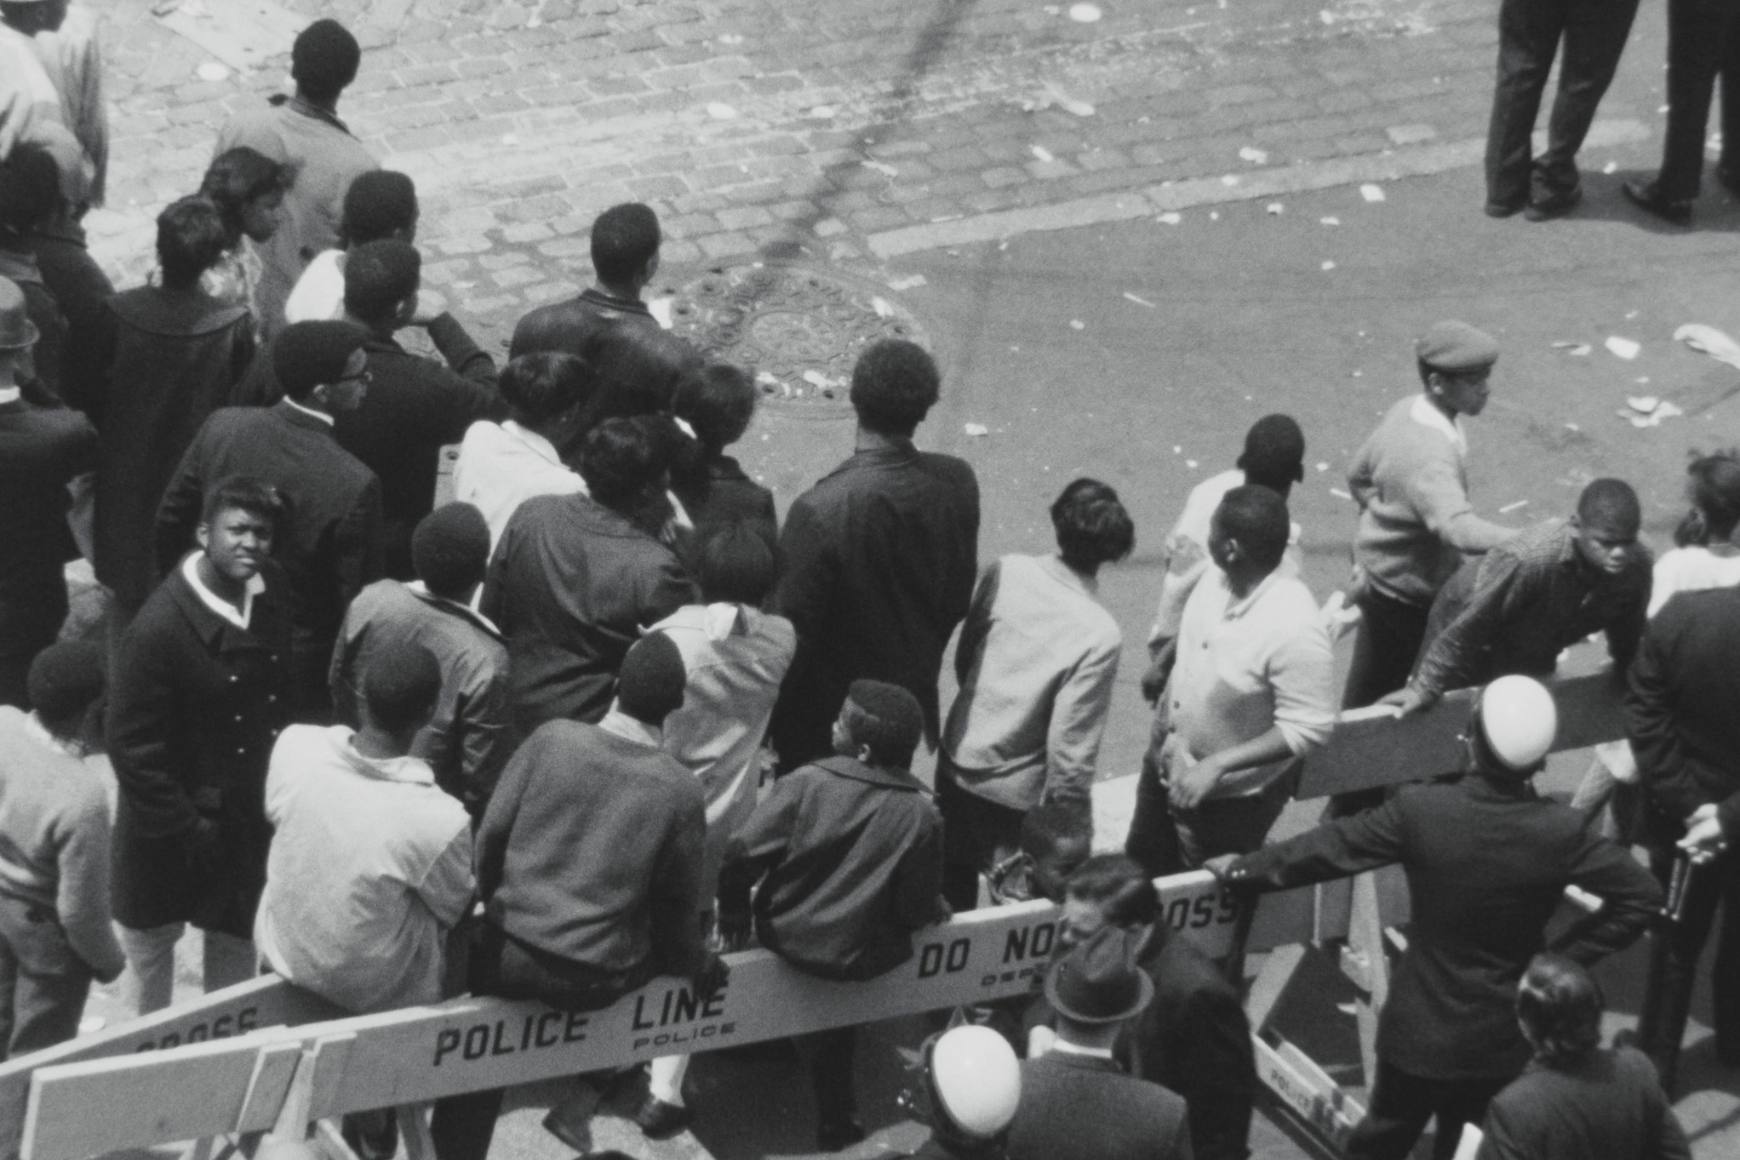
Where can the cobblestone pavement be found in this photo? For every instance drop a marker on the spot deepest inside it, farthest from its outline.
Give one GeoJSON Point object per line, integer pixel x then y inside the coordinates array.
{"type": "Point", "coordinates": [838, 131]}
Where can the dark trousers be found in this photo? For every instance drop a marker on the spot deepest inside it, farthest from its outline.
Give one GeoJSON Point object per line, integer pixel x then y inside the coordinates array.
{"type": "Point", "coordinates": [977, 834]}
{"type": "Point", "coordinates": [832, 1059]}
{"type": "Point", "coordinates": [463, 1126]}
{"type": "Point", "coordinates": [43, 982]}
{"type": "Point", "coordinates": [1163, 842]}
{"type": "Point", "coordinates": [1674, 954]}
{"type": "Point", "coordinates": [1703, 43]}
{"type": "Point", "coordinates": [1402, 1103]}
{"type": "Point", "coordinates": [1385, 646]}
{"type": "Point", "coordinates": [1529, 33]}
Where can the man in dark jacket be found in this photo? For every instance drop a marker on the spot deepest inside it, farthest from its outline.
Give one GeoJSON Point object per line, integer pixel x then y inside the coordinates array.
{"type": "Point", "coordinates": [1076, 1101]}
{"type": "Point", "coordinates": [879, 558]}
{"type": "Point", "coordinates": [1487, 861]}
{"type": "Point", "coordinates": [848, 852]}
{"type": "Point", "coordinates": [29, 192]}
{"type": "Point", "coordinates": [576, 578]}
{"type": "Point", "coordinates": [330, 546]}
{"type": "Point", "coordinates": [589, 869]}
{"type": "Point", "coordinates": [1686, 735]}
{"type": "Point", "coordinates": [469, 737]}
{"type": "Point", "coordinates": [42, 447]}
{"type": "Point", "coordinates": [164, 358]}
{"type": "Point", "coordinates": [201, 689]}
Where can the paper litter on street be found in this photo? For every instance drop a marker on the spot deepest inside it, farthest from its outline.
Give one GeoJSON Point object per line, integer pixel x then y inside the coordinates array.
{"type": "Point", "coordinates": [1624, 348]}
{"type": "Point", "coordinates": [1710, 341]}
{"type": "Point", "coordinates": [1371, 192]}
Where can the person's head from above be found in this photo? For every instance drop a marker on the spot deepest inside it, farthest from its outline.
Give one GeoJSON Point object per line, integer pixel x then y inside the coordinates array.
{"type": "Point", "coordinates": [1605, 526]}
{"type": "Point", "coordinates": [381, 280]}
{"type": "Point", "coordinates": [1713, 491]}
{"type": "Point", "coordinates": [450, 551]}
{"type": "Point", "coordinates": [17, 335]}
{"type": "Point", "coordinates": [381, 203]}
{"type": "Point", "coordinates": [1056, 837]}
{"type": "Point", "coordinates": [323, 62]}
{"type": "Point", "coordinates": [238, 520]}
{"type": "Point", "coordinates": [879, 724]}
{"type": "Point", "coordinates": [322, 365]}
{"type": "Point", "coordinates": [972, 1088]}
{"type": "Point", "coordinates": [1247, 536]}
{"type": "Point", "coordinates": [625, 248]}
{"type": "Point", "coordinates": [544, 390]}
{"type": "Point", "coordinates": [190, 239]}
{"type": "Point", "coordinates": [735, 564]}
{"type": "Point", "coordinates": [637, 370]}
{"type": "Point", "coordinates": [30, 193]}
{"type": "Point", "coordinates": [1455, 362]}
{"type": "Point", "coordinates": [1274, 454]}
{"type": "Point", "coordinates": [1558, 1006]}
{"type": "Point", "coordinates": [1511, 728]}
{"type": "Point", "coordinates": [1106, 890]}
{"type": "Point", "coordinates": [400, 689]}
{"type": "Point", "coordinates": [894, 385]}
{"type": "Point", "coordinates": [650, 684]}
{"type": "Point", "coordinates": [64, 681]}
{"type": "Point", "coordinates": [248, 189]}
{"type": "Point", "coordinates": [1098, 985]}
{"type": "Point", "coordinates": [33, 16]}
{"type": "Point", "coordinates": [625, 463]}
{"type": "Point", "coordinates": [717, 401]}
{"type": "Point", "coordinates": [1092, 526]}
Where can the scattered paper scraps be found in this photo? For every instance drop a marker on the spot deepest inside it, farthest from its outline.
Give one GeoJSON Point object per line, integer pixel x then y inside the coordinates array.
{"type": "Point", "coordinates": [1511, 507]}
{"type": "Point", "coordinates": [976, 430]}
{"type": "Point", "coordinates": [1140, 301]}
{"type": "Point", "coordinates": [1710, 341]}
{"type": "Point", "coordinates": [1254, 155]}
{"type": "Point", "coordinates": [1624, 348]}
{"type": "Point", "coordinates": [1574, 349]}
{"type": "Point", "coordinates": [1371, 192]}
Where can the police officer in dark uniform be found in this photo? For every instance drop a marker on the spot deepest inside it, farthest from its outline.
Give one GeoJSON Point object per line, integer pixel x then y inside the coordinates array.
{"type": "Point", "coordinates": [1487, 861]}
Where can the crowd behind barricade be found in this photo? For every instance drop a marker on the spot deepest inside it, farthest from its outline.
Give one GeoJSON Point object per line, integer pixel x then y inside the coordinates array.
{"type": "Point", "coordinates": [602, 717]}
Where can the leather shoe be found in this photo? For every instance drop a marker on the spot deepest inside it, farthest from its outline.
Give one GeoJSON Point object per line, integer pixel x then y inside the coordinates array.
{"type": "Point", "coordinates": [659, 1120]}
{"type": "Point", "coordinates": [1645, 196]}
{"type": "Point", "coordinates": [1547, 208]}
{"type": "Point", "coordinates": [837, 1135]}
{"type": "Point", "coordinates": [1503, 209]}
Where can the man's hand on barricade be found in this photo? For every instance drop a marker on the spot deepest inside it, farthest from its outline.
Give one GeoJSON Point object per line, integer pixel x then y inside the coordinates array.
{"type": "Point", "coordinates": [713, 974]}
{"type": "Point", "coordinates": [1227, 872]}
{"type": "Point", "coordinates": [1704, 840]}
{"type": "Point", "coordinates": [1409, 700]}
{"type": "Point", "coordinates": [944, 911]}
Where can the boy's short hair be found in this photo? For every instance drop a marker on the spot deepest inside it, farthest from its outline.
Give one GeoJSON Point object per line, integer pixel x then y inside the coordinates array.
{"type": "Point", "coordinates": [190, 239]}
{"type": "Point", "coordinates": [1256, 517]}
{"type": "Point", "coordinates": [885, 717]}
{"type": "Point", "coordinates": [1092, 525]}
{"type": "Point", "coordinates": [735, 564]}
{"type": "Point", "coordinates": [324, 60]}
{"type": "Point", "coordinates": [401, 685]}
{"type": "Point", "coordinates": [378, 276]}
{"type": "Point", "coordinates": [620, 459]}
{"type": "Point", "coordinates": [624, 239]}
{"type": "Point", "coordinates": [29, 188]}
{"type": "Point", "coordinates": [543, 386]}
{"type": "Point", "coordinates": [894, 385]}
{"type": "Point", "coordinates": [378, 204]}
{"type": "Point", "coordinates": [1119, 887]}
{"type": "Point", "coordinates": [717, 401]}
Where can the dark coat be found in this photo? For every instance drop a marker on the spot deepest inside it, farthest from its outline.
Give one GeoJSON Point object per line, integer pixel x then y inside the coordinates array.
{"type": "Point", "coordinates": [331, 544]}
{"type": "Point", "coordinates": [723, 495]}
{"type": "Point", "coordinates": [1680, 709]}
{"type": "Point", "coordinates": [878, 565]}
{"type": "Point", "coordinates": [80, 289]}
{"type": "Point", "coordinates": [165, 360]}
{"type": "Point", "coordinates": [41, 449]}
{"type": "Point", "coordinates": [852, 856]}
{"type": "Point", "coordinates": [571, 586]}
{"type": "Point", "coordinates": [44, 310]}
{"type": "Point", "coordinates": [194, 710]}
{"type": "Point", "coordinates": [1608, 1106]}
{"type": "Point", "coordinates": [1077, 1107]}
{"type": "Point", "coordinates": [1487, 866]}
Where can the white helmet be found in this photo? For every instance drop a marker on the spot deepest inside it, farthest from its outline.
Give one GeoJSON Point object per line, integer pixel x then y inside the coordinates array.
{"type": "Point", "coordinates": [1516, 722]}
{"type": "Point", "coordinates": [975, 1080]}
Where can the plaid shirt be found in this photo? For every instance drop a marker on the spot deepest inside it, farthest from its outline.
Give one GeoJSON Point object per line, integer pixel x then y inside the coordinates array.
{"type": "Point", "coordinates": [1514, 609]}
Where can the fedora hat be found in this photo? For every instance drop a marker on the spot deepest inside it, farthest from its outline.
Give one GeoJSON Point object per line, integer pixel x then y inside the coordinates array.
{"type": "Point", "coordinates": [16, 329]}
{"type": "Point", "coordinates": [1098, 981]}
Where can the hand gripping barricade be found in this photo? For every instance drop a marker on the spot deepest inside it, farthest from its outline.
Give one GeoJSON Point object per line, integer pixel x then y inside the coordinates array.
{"type": "Point", "coordinates": [266, 1057]}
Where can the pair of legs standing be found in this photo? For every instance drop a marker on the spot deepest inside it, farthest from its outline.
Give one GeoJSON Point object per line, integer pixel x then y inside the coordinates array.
{"type": "Point", "coordinates": [151, 960]}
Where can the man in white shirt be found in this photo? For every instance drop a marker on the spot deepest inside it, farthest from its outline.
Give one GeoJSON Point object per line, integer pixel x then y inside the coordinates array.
{"type": "Point", "coordinates": [32, 108]}
{"type": "Point", "coordinates": [1249, 694]}
{"type": "Point", "coordinates": [501, 465]}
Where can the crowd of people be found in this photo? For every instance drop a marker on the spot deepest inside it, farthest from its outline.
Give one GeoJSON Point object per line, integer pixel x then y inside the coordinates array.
{"type": "Point", "coordinates": [603, 715]}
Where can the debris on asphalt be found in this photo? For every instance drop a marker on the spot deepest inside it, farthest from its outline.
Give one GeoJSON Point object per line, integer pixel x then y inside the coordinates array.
{"type": "Point", "coordinates": [1229, 179]}
{"type": "Point", "coordinates": [1323, 467]}
{"type": "Point", "coordinates": [1190, 463]}
{"type": "Point", "coordinates": [1328, 265]}
{"type": "Point", "coordinates": [211, 70]}
{"type": "Point", "coordinates": [1511, 507]}
{"type": "Point", "coordinates": [821, 111]}
{"type": "Point", "coordinates": [1648, 411]}
{"type": "Point", "coordinates": [1254, 155]}
{"type": "Point", "coordinates": [1710, 341]}
{"type": "Point", "coordinates": [1084, 13]}
{"type": "Point", "coordinates": [1329, 221]}
{"type": "Point", "coordinates": [1276, 208]}
{"type": "Point", "coordinates": [1077, 324]}
{"type": "Point", "coordinates": [881, 167]}
{"type": "Point", "coordinates": [976, 430]}
{"type": "Point", "coordinates": [731, 38]}
{"type": "Point", "coordinates": [909, 282]}
{"type": "Point", "coordinates": [1339, 494]}
{"type": "Point", "coordinates": [1371, 192]}
{"type": "Point", "coordinates": [1069, 104]}
{"type": "Point", "coordinates": [1214, 215]}
{"type": "Point", "coordinates": [1572, 427]}
{"type": "Point", "coordinates": [1170, 219]}
{"type": "Point", "coordinates": [1139, 301]}
{"type": "Point", "coordinates": [1642, 404]}
{"type": "Point", "coordinates": [880, 305]}
{"type": "Point", "coordinates": [1042, 153]}
{"type": "Point", "coordinates": [1624, 348]}
{"type": "Point", "coordinates": [1576, 349]}
{"type": "Point", "coordinates": [1177, 450]}
{"type": "Point", "coordinates": [1610, 168]}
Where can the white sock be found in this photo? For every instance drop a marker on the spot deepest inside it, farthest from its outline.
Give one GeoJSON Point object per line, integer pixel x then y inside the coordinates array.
{"type": "Point", "coordinates": [665, 1078]}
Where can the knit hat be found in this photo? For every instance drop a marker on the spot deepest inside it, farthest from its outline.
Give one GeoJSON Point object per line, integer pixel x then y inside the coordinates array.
{"type": "Point", "coordinates": [450, 549]}
{"type": "Point", "coordinates": [378, 203]}
{"type": "Point", "coordinates": [308, 354]}
{"type": "Point", "coordinates": [650, 685]}
{"type": "Point", "coordinates": [1456, 346]}
{"type": "Point", "coordinates": [325, 58]}
{"type": "Point", "coordinates": [64, 679]}
{"type": "Point", "coordinates": [1274, 450]}
{"type": "Point", "coordinates": [885, 717]}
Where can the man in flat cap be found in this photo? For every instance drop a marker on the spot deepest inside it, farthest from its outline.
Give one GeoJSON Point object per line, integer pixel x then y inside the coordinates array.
{"type": "Point", "coordinates": [330, 548]}
{"type": "Point", "coordinates": [303, 132]}
{"type": "Point", "coordinates": [1410, 481]}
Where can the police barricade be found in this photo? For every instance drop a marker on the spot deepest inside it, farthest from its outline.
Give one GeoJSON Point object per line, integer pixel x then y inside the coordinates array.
{"type": "Point", "coordinates": [243, 1083]}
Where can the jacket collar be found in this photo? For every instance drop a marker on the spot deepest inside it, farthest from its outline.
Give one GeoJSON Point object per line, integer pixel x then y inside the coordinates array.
{"type": "Point", "coordinates": [212, 628]}
{"type": "Point", "coordinates": [1082, 1062]}
{"type": "Point", "coordinates": [174, 313]}
{"type": "Point", "coordinates": [855, 770]}
{"type": "Point", "coordinates": [300, 416]}
{"type": "Point", "coordinates": [314, 112]}
{"type": "Point", "coordinates": [453, 608]}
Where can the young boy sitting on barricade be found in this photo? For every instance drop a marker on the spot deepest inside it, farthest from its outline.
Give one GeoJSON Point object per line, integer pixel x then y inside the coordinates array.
{"type": "Point", "coordinates": [848, 852]}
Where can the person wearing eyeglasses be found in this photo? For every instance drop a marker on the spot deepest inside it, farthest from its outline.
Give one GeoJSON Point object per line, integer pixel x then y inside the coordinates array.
{"type": "Point", "coordinates": [331, 547]}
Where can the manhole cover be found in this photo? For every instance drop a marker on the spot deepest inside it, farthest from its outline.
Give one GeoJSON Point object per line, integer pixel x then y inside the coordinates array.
{"type": "Point", "coordinates": [800, 329]}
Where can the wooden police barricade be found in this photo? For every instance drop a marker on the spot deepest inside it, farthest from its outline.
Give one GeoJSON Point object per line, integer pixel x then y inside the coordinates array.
{"type": "Point", "coordinates": [1370, 749]}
